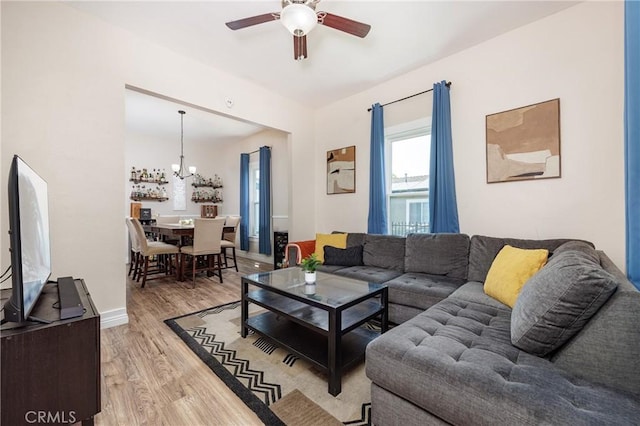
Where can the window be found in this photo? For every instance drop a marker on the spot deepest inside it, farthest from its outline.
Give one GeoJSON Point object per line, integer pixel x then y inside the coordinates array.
{"type": "Point", "coordinates": [254, 199]}
{"type": "Point", "coordinates": [408, 152]}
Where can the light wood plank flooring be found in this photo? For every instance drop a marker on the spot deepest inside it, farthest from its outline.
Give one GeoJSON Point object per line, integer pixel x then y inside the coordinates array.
{"type": "Point", "coordinates": [149, 376]}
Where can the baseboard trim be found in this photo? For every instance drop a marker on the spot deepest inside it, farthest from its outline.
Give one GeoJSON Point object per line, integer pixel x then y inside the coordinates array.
{"type": "Point", "coordinates": [114, 318]}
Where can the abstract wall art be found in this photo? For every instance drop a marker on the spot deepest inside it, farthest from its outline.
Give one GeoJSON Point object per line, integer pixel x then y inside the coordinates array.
{"type": "Point", "coordinates": [524, 143]}
{"type": "Point", "coordinates": [341, 170]}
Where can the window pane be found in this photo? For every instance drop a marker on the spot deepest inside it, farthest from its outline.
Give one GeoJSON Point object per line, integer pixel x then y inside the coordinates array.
{"type": "Point", "coordinates": [415, 210]}
{"type": "Point", "coordinates": [409, 182]}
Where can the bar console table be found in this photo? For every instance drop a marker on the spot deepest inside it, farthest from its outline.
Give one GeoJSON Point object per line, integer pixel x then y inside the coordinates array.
{"type": "Point", "coordinates": [51, 372]}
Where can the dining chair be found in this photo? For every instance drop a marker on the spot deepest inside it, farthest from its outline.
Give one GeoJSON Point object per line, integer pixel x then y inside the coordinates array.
{"type": "Point", "coordinates": [160, 220]}
{"type": "Point", "coordinates": [150, 249]}
{"type": "Point", "coordinates": [135, 258]}
{"type": "Point", "coordinates": [207, 236]}
{"type": "Point", "coordinates": [135, 248]}
{"type": "Point", "coordinates": [229, 240]}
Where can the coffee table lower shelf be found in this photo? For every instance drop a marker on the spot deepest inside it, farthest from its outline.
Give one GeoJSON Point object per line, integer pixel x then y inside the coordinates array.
{"type": "Point", "coordinates": [309, 344]}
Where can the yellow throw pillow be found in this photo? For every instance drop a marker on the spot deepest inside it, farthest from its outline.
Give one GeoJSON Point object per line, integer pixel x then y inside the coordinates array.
{"type": "Point", "coordinates": [334, 240]}
{"type": "Point", "coordinates": [510, 270]}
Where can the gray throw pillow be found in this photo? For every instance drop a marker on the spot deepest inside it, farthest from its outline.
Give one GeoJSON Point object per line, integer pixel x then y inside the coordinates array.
{"type": "Point", "coordinates": [350, 256]}
{"type": "Point", "coordinates": [558, 301]}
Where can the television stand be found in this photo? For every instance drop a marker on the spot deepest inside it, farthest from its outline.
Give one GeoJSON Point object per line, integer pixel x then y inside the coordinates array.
{"type": "Point", "coordinates": [51, 371]}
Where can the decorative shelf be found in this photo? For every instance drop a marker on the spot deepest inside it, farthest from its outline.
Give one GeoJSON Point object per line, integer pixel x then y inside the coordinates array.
{"type": "Point", "coordinates": [206, 200]}
{"type": "Point", "coordinates": [206, 190]}
{"type": "Point", "coordinates": [145, 175]}
{"type": "Point", "coordinates": [157, 182]}
{"type": "Point", "coordinates": [159, 199]}
{"type": "Point", "coordinates": [146, 184]}
{"type": "Point", "coordinates": [205, 185]}
{"type": "Point", "coordinates": [201, 181]}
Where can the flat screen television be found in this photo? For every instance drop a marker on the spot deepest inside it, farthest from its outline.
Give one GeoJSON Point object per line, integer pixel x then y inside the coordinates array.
{"type": "Point", "coordinates": [28, 238]}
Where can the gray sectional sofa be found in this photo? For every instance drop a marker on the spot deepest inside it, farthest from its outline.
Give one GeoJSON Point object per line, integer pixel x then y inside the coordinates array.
{"type": "Point", "coordinates": [451, 359]}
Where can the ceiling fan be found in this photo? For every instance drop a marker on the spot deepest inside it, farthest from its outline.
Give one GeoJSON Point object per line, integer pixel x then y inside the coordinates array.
{"type": "Point", "coordinates": [300, 17]}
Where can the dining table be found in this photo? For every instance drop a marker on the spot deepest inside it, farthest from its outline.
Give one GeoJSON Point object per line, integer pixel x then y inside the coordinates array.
{"type": "Point", "coordinates": [176, 230]}
{"type": "Point", "coordinates": [179, 232]}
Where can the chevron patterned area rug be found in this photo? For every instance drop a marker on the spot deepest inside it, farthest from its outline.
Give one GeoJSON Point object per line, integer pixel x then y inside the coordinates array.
{"type": "Point", "coordinates": [278, 386]}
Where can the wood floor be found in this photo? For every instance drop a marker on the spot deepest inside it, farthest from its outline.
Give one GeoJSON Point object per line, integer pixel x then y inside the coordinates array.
{"type": "Point", "coordinates": [149, 376]}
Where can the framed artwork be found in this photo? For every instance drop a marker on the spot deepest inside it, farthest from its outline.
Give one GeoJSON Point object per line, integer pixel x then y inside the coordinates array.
{"type": "Point", "coordinates": [341, 170]}
{"type": "Point", "coordinates": [524, 143]}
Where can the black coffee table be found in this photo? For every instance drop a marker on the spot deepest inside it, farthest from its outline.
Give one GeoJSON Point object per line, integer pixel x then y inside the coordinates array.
{"type": "Point", "coordinates": [321, 323]}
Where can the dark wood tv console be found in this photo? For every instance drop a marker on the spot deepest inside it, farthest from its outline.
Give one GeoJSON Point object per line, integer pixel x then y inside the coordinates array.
{"type": "Point", "coordinates": [51, 372]}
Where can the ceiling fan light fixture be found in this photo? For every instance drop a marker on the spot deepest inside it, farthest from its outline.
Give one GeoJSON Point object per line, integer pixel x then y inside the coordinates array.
{"type": "Point", "coordinates": [299, 19]}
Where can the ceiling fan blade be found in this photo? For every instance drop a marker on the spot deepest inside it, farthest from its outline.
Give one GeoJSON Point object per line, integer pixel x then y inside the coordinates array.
{"type": "Point", "coordinates": [344, 24]}
{"type": "Point", "coordinates": [299, 48]}
{"type": "Point", "coordinates": [254, 20]}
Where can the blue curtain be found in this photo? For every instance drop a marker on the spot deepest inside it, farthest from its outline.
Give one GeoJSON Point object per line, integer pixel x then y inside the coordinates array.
{"type": "Point", "coordinates": [632, 137]}
{"type": "Point", "coordinates": [264, 221]}
{"type": "Point", "coordinates": [377, 222]}
{"type": "Point", "coordinates": [443, 209]}
{"type": "Point", "coordinates": [244, 202]}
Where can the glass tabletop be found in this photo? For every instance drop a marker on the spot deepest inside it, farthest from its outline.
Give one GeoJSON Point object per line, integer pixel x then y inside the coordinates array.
{"type": "Point", "coordinates": [329, 289]}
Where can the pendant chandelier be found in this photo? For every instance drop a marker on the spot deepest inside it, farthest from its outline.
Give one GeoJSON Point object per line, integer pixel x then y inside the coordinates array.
{"type": "Point", "coordinates": [178, 169]}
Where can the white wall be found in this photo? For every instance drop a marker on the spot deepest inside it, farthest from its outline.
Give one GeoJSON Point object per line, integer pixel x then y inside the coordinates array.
{"type": "Point", "coordinates": [143, 151]}
{"type": "Point", "coordinates": [63, 78]}
{"type": "Point", "coordinates": [575, 55]}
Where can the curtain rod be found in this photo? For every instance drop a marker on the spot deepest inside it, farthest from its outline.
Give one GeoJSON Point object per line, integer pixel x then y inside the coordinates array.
{"type": "Point", "coordinates": [258, 150]}
{"type": "Point", "coordinates": [448, 84]}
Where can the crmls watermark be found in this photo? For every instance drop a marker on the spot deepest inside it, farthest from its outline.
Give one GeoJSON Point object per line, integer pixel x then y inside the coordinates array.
{"type": "Point", "coordinates": [43, 417]}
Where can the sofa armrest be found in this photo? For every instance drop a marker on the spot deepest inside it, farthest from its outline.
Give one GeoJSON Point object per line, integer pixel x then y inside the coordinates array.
{"type": "Point", "coordinates": [296, 251]}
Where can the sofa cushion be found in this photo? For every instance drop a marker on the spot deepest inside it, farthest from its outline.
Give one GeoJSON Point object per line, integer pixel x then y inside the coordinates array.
{"type": "Point", "coordinates": [511, 268]}
{"type": "Point", "coordinates": [484, 249]}
{"type": "Point", "coordinates": [421, 290]}
{"type": "Point", "coordinates": [456, 361]}
{"type": "Point", "coordinates": [370, 274]}
{"type": "Point", "coordinates": [355, 239]}
{"type": "Point", "coordinates": [401, 313]}
{"type": "Point", "coordinates": [350, 256]}
{"type": "Point", "coordinates": [384, 251]}
{"type": "Point", "coordinates": [473, 291]}
{"type": "Point", "coordinates": [558, 301]}
{"type": "Point", "coordinates": [335, 240]}
{"type": "Point", "coordinates": [437, 254]}
{"type": "Point", "coordinates": [331, 269]}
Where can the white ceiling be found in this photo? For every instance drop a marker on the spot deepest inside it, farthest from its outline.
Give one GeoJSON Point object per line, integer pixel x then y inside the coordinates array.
{"type": "Point", "coordinates": [404, 36]}
{"type": "Point", "coordinates": [154, 116]}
